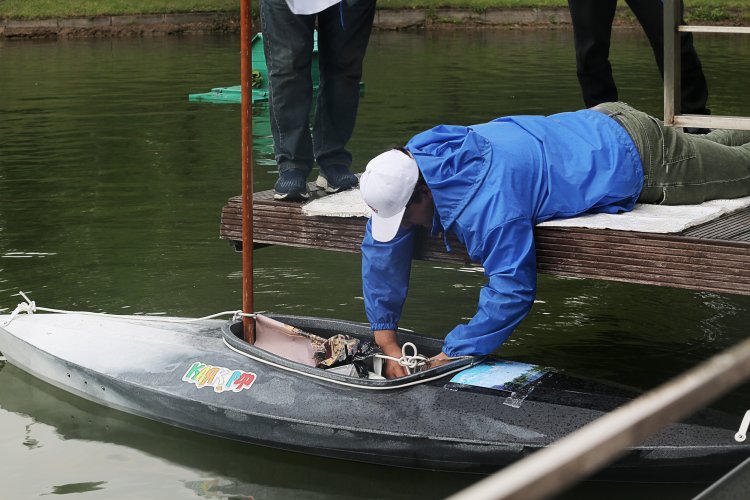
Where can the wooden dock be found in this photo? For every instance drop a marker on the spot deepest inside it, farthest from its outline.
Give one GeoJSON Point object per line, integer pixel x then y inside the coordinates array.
{"type": "Point", "coordinates": [714, 256]}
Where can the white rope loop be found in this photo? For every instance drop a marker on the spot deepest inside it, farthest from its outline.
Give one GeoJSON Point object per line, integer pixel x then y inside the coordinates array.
{"type": "Point", "coordinates": [413, 361]}
{"type": "Point", "coordinates": [30, 307]}
{"type": "Point", "coordinates": [409, 361]}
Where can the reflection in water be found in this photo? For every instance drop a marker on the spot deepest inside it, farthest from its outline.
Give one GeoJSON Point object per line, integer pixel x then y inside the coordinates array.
{"type": "Point", "coordinates": [67, 489]}
{"type": "Point", "coordinates": [219, 488]}
{"type": "Point", "coordinates": [30, 442]}
{"type": "Point", "coordinates": [111, 184]}
{"type": "Point", "coordinates": [123, 448]}
{"type": "Point", "coordinates": [262, 139]}
{"type": "Point", "coordinates": [720, 310]}
{"type": "Point", "coordinates": [25, 255]}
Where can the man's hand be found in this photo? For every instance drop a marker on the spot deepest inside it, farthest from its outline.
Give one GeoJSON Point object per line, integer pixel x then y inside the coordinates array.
{"type": "Point", "coordinates": [386, 340]}
{"type": "Point", "coordinates": [440, 359]}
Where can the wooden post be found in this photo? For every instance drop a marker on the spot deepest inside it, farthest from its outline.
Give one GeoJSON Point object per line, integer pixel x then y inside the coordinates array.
{"type": "Point", "coordinates": [246, 67]}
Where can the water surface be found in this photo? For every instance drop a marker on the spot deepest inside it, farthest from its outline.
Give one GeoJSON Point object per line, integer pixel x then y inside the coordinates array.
{"type": "Point", "coordinates": [111, 184]}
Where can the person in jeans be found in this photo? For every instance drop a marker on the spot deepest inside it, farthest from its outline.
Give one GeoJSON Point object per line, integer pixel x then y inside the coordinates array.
{"type": "Point", "coordinates": [491, 183]}
{"type": "Point", "coordinates": [343, 32]}
{"type": "Point", "coordinates": [592, 30]}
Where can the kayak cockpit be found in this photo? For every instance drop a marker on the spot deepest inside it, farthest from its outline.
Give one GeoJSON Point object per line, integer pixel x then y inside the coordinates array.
{"type": "Point", "coordinates": [339, 352]}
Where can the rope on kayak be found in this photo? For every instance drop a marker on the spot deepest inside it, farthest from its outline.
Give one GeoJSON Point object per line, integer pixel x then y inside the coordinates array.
{"type": "Point", "coordinates": [414, 361]}
{"type": "Point", "coordinates": [409, 361]}
{"type": "Point", "coordinates": [30, 307]}
{"type": "Point", "coordinates": [742, 432]}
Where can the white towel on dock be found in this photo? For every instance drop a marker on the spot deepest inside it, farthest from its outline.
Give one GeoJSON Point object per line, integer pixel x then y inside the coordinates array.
{"type": "Point", "coordinates": [655, 218]}
{"type": "Point", "coordinates": [643, 218]}
{"type": "Point", "coordinates": [344, 204]}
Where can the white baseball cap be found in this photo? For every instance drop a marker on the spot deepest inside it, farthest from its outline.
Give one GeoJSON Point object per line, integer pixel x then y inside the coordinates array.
{"type": "Point", "coordinates": [386, 186]}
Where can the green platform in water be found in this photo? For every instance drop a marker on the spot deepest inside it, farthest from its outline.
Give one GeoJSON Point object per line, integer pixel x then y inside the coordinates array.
{"type": "Point", "coordinates": [233, 95]}
{"type": "Point", "coordinates": [259, 79]}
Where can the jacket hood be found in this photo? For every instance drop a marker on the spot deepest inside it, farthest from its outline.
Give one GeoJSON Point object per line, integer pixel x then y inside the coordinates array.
{"type": "Point", "coordinates": [454, 161]}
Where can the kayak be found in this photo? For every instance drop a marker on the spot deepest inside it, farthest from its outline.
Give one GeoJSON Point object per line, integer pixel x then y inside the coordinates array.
{"type": "Point", "coordinates": [470, 415]}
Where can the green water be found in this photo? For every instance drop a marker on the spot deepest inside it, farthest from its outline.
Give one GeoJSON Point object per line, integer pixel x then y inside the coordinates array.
{"type": "Point", "coordinates": [111, 184]}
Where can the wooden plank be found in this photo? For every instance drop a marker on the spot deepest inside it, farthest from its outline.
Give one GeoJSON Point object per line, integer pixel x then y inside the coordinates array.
{"type": "Point", "coordinates": [641, 272]}
{"type": "Point", "coordinates": [708, 286]}
{"type": "Point", "coordinates": [715, 29]}
{"type": "Point", "coordinates": [697, 268]}
{"type": "Point", "coordinates": [712, 257]}
{"type": "Point", "coordinates": [712, 121]}
{"type": "Point", "coordinates": [734, 226]}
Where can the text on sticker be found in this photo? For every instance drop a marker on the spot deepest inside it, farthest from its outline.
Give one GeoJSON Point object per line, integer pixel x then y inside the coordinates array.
{"type": "Point", "coordinates": [220, 378]}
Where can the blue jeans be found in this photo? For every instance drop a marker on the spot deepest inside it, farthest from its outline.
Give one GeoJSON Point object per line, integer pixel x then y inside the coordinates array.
{"type": "Point", "coordinates": [681, 168]}
{"type": "Point", "coordinates": [288, 46]}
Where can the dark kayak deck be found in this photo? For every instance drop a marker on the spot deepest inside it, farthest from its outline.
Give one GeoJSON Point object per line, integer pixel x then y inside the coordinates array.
{"type": "Point", "coordinates": [714, 256]}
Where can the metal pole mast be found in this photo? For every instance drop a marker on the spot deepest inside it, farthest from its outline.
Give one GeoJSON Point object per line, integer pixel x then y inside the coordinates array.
{"type": "Point", "coordinates": [246, 66]}
{"type": "Point", "coordinates": [672, 61]}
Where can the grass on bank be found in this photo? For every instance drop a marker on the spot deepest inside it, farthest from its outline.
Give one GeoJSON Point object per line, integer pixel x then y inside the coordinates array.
{"type": "Point", "coordinates": [710, 10]}
{"type": "Point", "coordinates": [27, 9]}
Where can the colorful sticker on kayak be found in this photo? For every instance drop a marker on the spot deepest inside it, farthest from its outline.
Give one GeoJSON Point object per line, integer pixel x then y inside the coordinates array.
{"type": "Point", "coordinates": [220, 378]}
{"type": "Point", "coordinates": [503, 375]}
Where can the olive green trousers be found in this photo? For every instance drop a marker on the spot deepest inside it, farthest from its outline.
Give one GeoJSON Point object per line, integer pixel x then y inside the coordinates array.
{"type": "Point", "coordinates": [685, 169]}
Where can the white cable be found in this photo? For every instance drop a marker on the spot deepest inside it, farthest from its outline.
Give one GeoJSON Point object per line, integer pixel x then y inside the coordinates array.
{"type": "Point", "coordinates": [742, 433]}
{"type": "Point", "coordinates": [30, 307]}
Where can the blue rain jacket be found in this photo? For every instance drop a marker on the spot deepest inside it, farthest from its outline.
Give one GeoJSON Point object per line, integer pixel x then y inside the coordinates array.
{"type": "Point", "coordinates": [491, 183]}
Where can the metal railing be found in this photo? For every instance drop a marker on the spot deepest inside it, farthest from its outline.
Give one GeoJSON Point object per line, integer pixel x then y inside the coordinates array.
{"type": "Point", "coordinates": [593, 446]}
{"type": "Point", "coordinates": [672, 80]}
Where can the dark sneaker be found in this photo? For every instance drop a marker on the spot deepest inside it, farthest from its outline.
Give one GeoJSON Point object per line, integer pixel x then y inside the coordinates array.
{"type": "Point", "coordinates": [291, 186]}
{"type": "Point", "coordinates": [696, 130]}
{"type": "Point", "coordinates": [336, 178]}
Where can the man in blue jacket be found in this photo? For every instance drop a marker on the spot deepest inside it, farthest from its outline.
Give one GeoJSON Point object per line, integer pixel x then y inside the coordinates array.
{"type": "Point", "coordinates": [490, 184]}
